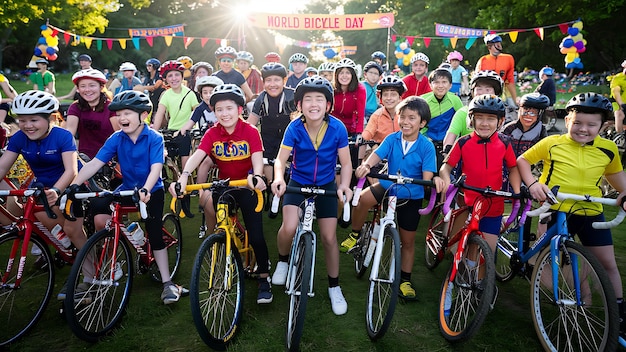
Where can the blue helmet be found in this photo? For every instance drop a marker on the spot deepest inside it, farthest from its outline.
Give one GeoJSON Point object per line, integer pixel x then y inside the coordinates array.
{"type": "Point", "coordinates": [492, 38]}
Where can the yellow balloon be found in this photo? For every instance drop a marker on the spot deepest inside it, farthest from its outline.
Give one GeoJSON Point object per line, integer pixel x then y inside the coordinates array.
{"type": "Point", "coordinates": [399, 54]}
{"type": "Point", "coordinates": [569, 57]}
{"type": "Point", "coordinates": [578, 37]}
{"type": "Point", "coordinates": [46, 33]}
{"type": "Point", "coordinates": [585, 42]}
{"type": "Point", "coordinates": [571, 49]}
{"type": "Point", "coordinates": [52, 41]}
{"type": "Point", "coordinates": [578, 25]}
{"type": "Point", "coordinates": [411, 53]}
{"type": "Point", "coordinates": [407, 60]}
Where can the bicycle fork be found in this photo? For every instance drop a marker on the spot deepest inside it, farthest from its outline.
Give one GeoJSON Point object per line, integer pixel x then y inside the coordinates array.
{"type": "Point", "coordinates": [388, 220]}
{"type": "Point", "coordinates": [556, 246]}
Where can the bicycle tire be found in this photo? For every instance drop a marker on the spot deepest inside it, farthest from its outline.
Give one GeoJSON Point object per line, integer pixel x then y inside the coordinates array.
{"type": "Point", "coordinates": [21, 308]}
{"type": "Point", "coordinates": [590, 327]}
{"type": "Point", "coordinates": [96, 311]}
{"type": "Point", "coordinates": [173, 238]}
{"type": "Point", "coordinates": [363, 243]}
{"type": "Point", "coordinates": [300, 286]}
{"type": "Point", "coordinates": [506, 247]}
{"type": "Point", "coordinates": [434, 248]}
{"type": "Point", "coordinates": [471, 297]}
{"type": "Point", "coordinates": [382, 295]}
{"type": "Point", "coordinates": [216, 310]}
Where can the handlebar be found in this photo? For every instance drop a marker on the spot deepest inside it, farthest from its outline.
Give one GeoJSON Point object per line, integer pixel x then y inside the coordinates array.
{"type": "Point", "coordinates": [36, 191]}
{"type": "Point", "coordinates": [398, 180]}
{"type": "Point", "coordinates": [84, 195]}
{"type": "Point", "coordinates": [227, 183]}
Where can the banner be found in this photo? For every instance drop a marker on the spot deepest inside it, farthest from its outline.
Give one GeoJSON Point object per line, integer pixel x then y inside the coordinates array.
{"type": "Point", "coordinates": [175, 30]}
{"type": "Point", "coordinates": [446, 30]}
{"type": "Point", "coordinates": [321, 22]}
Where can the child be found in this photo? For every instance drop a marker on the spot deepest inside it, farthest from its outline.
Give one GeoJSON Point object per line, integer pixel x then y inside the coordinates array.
{"type": "Point", "coordinates": [576, 161]}
{"type": "Point", "coordinates": [416, 82]}
{"type": "Point", "coordinates": [372, 72]}
{"type": "Point", "coordinates": [459, 74]}
{"type": "Point", "coordinates": [297, 64]}
{"type": "Point", "coordinates": [412, 155]}
{"type": "Point", "coordinates": [482, 153]}
{"type": "Point", "coordinates": [236, 149]}
{"type": "Point", "coordinates": [327, 70]}
{"type": "Point", "coordinates": [315, 141]}
{"type": "Point", "coordinates": [384, 121]}
{"type": "Point", "coordinates": [527, 130]}
{"type": "Point", "coordinates": [139, 151]}
{"type": "Point", "coordinates": [227, 73]}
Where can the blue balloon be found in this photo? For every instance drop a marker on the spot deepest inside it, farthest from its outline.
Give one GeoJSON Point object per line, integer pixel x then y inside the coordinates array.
{"type": "Point", "coordinates": [329, 53]}
{"type": "Point", "coordinates": [577, 60]}
{"type": "Point", "coordinates": [37, 52]}
{"type": "Point", "coordinates": [573, 31]}
{"type": "Point", "coordinates": [43, 27]}
{"type": "Point", "coordinates": [41, 40]}
{"type": "Point", "coordinates": [50, 50]}
{"type": "Point", "coordinates": [399, 62]}
{"type": "Point", "coordinates": [579, 65]}
{"type": "Point", "coordinates": [568, 42]}
{"type": "Point", "coordinates": [570, 65]}
{"type": "Point", "coordinates": [406, 51]}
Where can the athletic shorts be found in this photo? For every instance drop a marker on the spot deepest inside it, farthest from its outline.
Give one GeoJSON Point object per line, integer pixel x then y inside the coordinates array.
{"type": "Point", "coordinates": [325, 206]}
{"type": "Point", "coordinates": [407, 210]}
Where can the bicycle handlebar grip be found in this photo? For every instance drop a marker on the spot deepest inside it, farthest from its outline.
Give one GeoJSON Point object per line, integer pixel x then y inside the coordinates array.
{"type": "Point", "coordinates": [514, 210]}
{"type": "Point", "coordinates": [446, 205]}
{"type": "Point", "coordinates": [143, 210]}
{"type": "Point", "coordinates": [346, 210]}
{"type": "Point", "coordinates": [357, 192]}
{"type": "Point", "coordinates": [608, 224]}
{"type": "Point", "coordinates": [173, 204]}
{"type": "Point", "coordinates": [542, 209]}
{"type": "Point", "coordinates": [431, 202]}
{"type": "Point", "coordinates": [274, 208]}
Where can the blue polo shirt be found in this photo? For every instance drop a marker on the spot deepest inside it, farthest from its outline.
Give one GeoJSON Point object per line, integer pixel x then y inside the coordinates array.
{"type": "Point", "coordinates": [420, 157]}
{"type": "Point", "coordinates": [309, 166]}
{"type": "Point", "coordinates": [135, 159]}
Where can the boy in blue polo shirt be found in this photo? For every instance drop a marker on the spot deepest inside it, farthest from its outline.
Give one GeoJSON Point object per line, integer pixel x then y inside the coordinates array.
{"type": "Point", "coordinates": [139, 151]}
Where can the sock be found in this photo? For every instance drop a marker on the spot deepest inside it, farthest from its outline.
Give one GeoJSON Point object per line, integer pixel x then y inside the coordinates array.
{"type": "Point", "coordinates": [283, 258]}
{"type": "Point", "coordinates": [356, 233]}
{"type": "Point", "coordinates": [333, 281]}
{"type": "Point", "coordinates": [404, 276]}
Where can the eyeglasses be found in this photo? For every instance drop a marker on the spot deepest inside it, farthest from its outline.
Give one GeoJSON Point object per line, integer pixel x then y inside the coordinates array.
{"type": "Point", "coordinates": [529, 112]}
{"type": "Point", "coordinates": [226, 60]}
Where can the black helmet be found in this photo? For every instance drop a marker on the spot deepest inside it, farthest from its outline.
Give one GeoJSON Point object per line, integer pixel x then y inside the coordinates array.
{"type": "Point", "coordinates": [132, 100]}
{"type": "Point", "coordinates": [314, 84]}
{"type": "Point", "coordinates": [591, 103]}
{"type": "Point", "coordinates": [273, 69]}
{"type": "Point", "coordinates": [227, 92]}
{"type": "Point", "coordinates": [488, 104]}
{"type": "Point", "coordinates": [373, 64]}
{"type": "Point", "coordinates": [535, 100]}
{"type": "Point", "coordinates": [489, 77]}
{"type": "Point", "coordinates": [392, 81]}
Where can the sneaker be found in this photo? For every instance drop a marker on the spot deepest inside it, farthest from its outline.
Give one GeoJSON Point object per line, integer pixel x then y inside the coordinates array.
{"type": "Point", "coordinates": [35, 250]}
{"type": "Point", "coordinates": [118, 271]}
{"type": "Point", "coordinates": [465, 271]}
{"type": "Point", "coordinates": [349, 242]}
{"type": "Point", "coordinates": [337, 302]}
{"type": "Point", "coordinates": [62, 292]}
{"type": "Point", "coordinates": [171, 294]}
{"type": "Point", "coordinates": [280, 275]}
{"type": "Point", "coordinates": [265, 292]}
{"type": "Point", "coordinates": [407, 291]}
{"type": "Point", "coordinates": [82, 294]}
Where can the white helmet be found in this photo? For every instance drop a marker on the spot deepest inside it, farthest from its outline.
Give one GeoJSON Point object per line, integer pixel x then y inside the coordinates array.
{"type": "Point", "coordinates": [89, 73]}
{"type": "Point", "coordinates": [345, 63]}
{"type": "Point", "coordinates": [420, 57]}
{"type": "Point", "coordinates": [34, 102]}
{"type": "Point", "coordinates": [208, 81]}
{"type": "Point", "coordinates": [245, 56]}
{"type": "Point", "coordinates": [298, 57]}
{"type": "Point", "coordinates": [326, 67]}
{"type": "Point", "coordinates": [128, 66]}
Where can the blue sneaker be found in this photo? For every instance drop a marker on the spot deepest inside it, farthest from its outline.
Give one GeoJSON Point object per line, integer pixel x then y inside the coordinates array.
{"type": "Point", "coordinates": [265, 295]}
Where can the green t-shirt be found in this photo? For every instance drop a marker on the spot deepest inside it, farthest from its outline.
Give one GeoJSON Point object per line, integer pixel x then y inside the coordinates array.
{"type": "Point", "coordinates": [42, 80]}
{"type": "Point", "coordinates": [179, 106]}
{"type": "Point", "coordinates": [460, 123]}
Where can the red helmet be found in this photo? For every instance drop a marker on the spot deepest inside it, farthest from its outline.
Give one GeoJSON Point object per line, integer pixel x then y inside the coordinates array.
{"type": "Point", "coordinates": [171, 65]}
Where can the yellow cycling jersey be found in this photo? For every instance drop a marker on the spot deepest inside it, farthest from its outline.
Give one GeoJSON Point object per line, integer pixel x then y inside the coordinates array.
{"type": "Point", "coordinates": [576, 168]}
{"type": "Point", "coordinates": [619, 80]}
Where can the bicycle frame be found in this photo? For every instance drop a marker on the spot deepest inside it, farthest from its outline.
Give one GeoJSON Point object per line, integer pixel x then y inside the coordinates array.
{"type": "Point", "coordinates": [305, 225]}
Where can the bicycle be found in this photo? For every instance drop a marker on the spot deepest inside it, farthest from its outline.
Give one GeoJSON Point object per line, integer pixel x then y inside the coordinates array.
{"type": "Point", "coordinates": [582, 313]}
{"type": "Point", "coordinates": [468, 290]}
{"type": "Point", "coordinates": [94, 310]}
{"type": "Point", "coordinates": [217, 288]}
{"type": "Point", "coordinates": [26, 284]}
{"type": "Point", "coordinates": [299, 283]}
{"type": "Point", "coordinates": [379, 241]}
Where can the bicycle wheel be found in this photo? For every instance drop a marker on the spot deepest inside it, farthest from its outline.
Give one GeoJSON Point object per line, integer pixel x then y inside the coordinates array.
{"type": "Point", "coordinates": [173, 238]}
{"type": "Point", "coordinates": [466, 300]}
{"type": "Point", "coordinates": [592, 324]}
{"type": "Point", "coordinates": [437, 229]}
{"type": "Point", "coordinates": [94, 303]}
{"type": "Point", "coordinates": [21, 307]}
{"type": "Point", "coordinates": [507, 246]}
{"type": "Point", "coordinates": [362, 247]}
{"type": "Point", "coordinates": [298, 289]}
{"type": "Point", "coordinates": [382, 295]}
{"type": "Point", "coordinates": [216, 301]}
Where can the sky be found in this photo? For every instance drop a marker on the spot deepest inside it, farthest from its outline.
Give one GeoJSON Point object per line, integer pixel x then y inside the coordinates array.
{"type": "Point", "coordinates": [277, 6]}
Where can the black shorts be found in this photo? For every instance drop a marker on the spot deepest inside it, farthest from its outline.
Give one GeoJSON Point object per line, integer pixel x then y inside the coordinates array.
{"type": "Point", "coordinates": [407, 210]}
{"type": "Point", "coordinates": [179, 146]}
{"type": "Point", "coordinates": [325, 206]}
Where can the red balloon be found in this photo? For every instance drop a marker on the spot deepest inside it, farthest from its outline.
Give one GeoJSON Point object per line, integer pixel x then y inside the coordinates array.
{"type": "Point", "coordinates": [53, 57]}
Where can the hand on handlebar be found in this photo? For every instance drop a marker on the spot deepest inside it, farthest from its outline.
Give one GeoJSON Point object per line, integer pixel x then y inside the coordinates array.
{"type": "Point", "coordinates": [344, 191]}
{"type": "Point", "coordinates": [279, 187]}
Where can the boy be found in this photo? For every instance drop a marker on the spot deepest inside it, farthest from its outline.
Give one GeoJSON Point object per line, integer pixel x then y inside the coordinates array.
{"type": "Point", "coordinates": [417, 82]}
{"type": "Point", "coordinates": [384, 120]}
{"type": "Point", "coordinates": [43, 79]}
{"type": "Point", "coordinates": [315, 141]}
{"type": "Point", "coordinates": [412, 155]}
{"type": "Point", "coordinates": [129, 81]}
{"type": "Point", "coordinates": [577, 161]}
{"type": "Point", "coordinates": [482, 153]}
{"type": "Point", "coordinates": [327, 70]}
{"type": "Point", "coordinates": [372, 72]}
{"type": "Point", "coordinates": [227, 73]}
{"type": "Point", "coordinates": [272, 109]}
{"type": "Point", "coordinates": [178, 102]}
{"type": "Point", "coordinates": [297, 63]}
{"type": "Point", "coordinates": [236, 149]}
{"type": "Point", "coordinates": [139, 151]}
{"type": "Point", "coordinates": [443, 105]}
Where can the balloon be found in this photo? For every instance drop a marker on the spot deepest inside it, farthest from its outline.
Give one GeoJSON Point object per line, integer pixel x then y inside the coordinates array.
{"type": "Point", "coordinates": [412, 52]}
{"type": "Point", "coordinates": [580, 51]}
{"type": "Point", "coordinates": [406, 60]}
{"type": "Point", "coordinates": [329, 53]}
{"type": "Point", "coordinates": [399, 54]}
{"type": "Point", "coordinates": [585, 41]}
{"type": "Point", "coordinates": [37, 52]}
{"type": "Point", "coordinates": [579, 45]}
{"type": "Point", "coordinates": [53, 57]}
{"type": "Point", "coordinates": [571, 49]}
{"type": "Point", "coordinates": [572, 31]}
{"type": "Point", "coordinates": [403, 46]}
{"type": "Point", "coordinates": [578, 25]}
{"type": "Point", "coordinates": [570, 65]}
{"type": "Point", "coordinates": [568, 42]}
{"type": "Point", "coordinates": [577, 60]}
{"type": "Point", "coordinates": [407, 50]}
{"type": "Point", "coordinates": [564, 50]}
{"type": "Point", "coordinates": [569, 57]}
{"type": "Point", "coordinates": [579, 65]}
{"type": "Point", "coordinates": [399, 63]}
{"type": "Point", "coordinates": [52, 41]}
{"type": "Point", "coordinates": [43, 27]}
{"type": "Point", "coordinates": [50, 51]}
{"type": "Point", "coordinates": [47, 33]}
{"type": "Point", "coordinates": [41, 40]}
{"type": "Point", "coordinates": [577, 38]}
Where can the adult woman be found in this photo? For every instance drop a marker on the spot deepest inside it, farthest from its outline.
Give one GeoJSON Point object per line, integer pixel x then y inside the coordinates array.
{"type": "Point", "coordinates": [89, 116]}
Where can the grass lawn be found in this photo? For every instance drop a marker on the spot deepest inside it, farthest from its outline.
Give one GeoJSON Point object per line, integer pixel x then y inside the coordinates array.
{"type": "Point", "coordinates": [151, 326]}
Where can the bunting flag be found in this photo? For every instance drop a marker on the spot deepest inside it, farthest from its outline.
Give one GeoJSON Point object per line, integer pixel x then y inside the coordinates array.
{"type": "Point", "coordinates": [136, 35]}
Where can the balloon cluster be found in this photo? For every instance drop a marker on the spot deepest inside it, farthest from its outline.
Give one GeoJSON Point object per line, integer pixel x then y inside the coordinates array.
{"type": "Point", "coordinates": [404, 54]}
{"type": "Point", "coordinates": [573, 45]}
{"type": "Point", "coordinates": [48, 44]}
